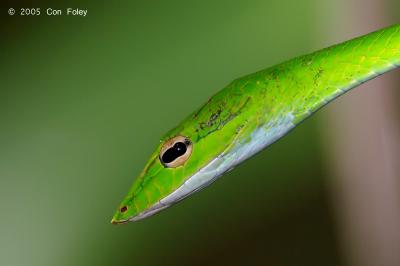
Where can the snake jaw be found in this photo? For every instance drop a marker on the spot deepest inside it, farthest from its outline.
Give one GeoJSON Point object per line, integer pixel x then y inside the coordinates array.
{"type": "Point", "coordinates": [241, 150]}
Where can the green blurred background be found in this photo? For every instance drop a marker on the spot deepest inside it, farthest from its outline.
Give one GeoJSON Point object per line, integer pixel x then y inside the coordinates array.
{"type": "Point", "coordinates": [84, 101]}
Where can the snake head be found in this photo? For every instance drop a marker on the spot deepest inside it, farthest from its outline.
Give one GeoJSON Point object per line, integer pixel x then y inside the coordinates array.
{"type": "Point", "coordinates": [187, 159]}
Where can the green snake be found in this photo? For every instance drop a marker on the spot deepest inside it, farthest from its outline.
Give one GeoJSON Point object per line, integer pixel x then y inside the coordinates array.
{"type": "Point", "coordinates": [251, 113]}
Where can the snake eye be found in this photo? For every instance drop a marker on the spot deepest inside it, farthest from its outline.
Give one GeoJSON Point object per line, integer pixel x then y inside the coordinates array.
{"type": "Point", "coordinates": [175, 151]}
{"type": "Point", "coordinates": [123, 209]}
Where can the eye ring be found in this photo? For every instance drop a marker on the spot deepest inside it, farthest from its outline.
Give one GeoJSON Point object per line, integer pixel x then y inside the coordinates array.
{"type": "Point", "coordinates": [175, 151]}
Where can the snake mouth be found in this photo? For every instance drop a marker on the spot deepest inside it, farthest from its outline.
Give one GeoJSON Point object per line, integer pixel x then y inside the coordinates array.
{"type": "Point", "coordinates": [149, 212]}
{"type": "Point", "coordinates": [196, 182]}
{"type": "Point", "coordinates": [114, 221]}
{"type": "Point", "coordinates": [204, 177]}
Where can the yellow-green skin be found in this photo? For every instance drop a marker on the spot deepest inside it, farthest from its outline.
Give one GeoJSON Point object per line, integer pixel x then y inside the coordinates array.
{"type": "Point", "coordinates": [273, 100]}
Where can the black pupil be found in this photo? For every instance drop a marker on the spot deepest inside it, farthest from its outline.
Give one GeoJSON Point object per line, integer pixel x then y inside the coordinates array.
{"type": "Point", "coordinates": [174, 152]}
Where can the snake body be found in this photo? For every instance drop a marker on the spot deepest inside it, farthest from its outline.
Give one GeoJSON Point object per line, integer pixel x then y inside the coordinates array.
{"type": "Point", "coordinates": [251, 113]}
